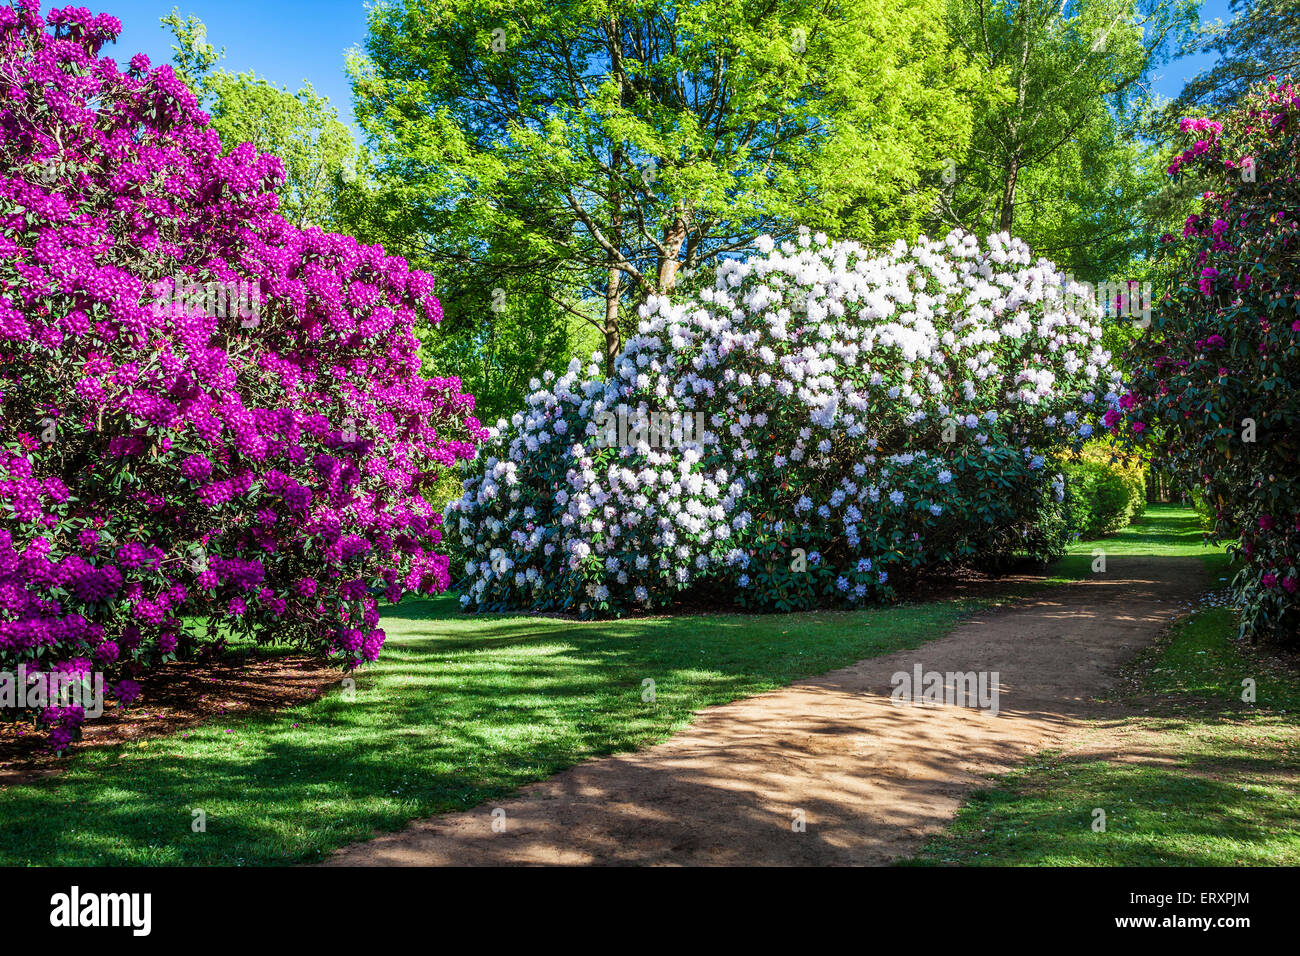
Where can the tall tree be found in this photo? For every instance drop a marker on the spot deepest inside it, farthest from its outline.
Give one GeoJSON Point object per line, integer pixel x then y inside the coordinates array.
{"type": "Point", "coordinates": [1059, 161]}
{"type": "Point", "coordinates": [303, 129]}
{"type": "Point", "coordinates": [589, 151]}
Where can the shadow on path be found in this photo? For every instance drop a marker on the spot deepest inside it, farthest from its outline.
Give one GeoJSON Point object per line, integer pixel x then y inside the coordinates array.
{"type": "Point", "coordinates": [868, 779]}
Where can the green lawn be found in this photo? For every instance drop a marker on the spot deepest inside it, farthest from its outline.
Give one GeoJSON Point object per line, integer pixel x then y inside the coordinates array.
{"type": "Point", "coordinates": [460, 710]}
{"type": "Point", "coordinates": [1209, 780]}
{"type": "Point", "coordinates": [1163, 531]}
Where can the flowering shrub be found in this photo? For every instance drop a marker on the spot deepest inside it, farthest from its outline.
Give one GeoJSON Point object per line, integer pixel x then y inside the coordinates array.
{"type": "Point", "coordinates": [865, 416]}
{"type": "Point", "coordinates": [1215, 382]}
{"type": "Point", "coordinates": [173, 463]}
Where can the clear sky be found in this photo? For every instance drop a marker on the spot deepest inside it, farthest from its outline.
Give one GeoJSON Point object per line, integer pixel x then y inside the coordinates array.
{"type": "Point", "coordinates": [1169, 79]}
{"type": "Point", "coordinates": [289, 41]}
{"type": "Point", "coordinates": [286, 41]}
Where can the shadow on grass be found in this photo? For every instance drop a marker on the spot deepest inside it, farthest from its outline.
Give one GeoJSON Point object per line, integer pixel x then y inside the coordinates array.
{"type": "Point", "coordinates": [461, 709]}
{"type": "Point", "coordinates": [1162, 529]}
{"type": "Point", "coordinates": [458, 711]}
{"type": "Point", "coordinates": [1213, 812]}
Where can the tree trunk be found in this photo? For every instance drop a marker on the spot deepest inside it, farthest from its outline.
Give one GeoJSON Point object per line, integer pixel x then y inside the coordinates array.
{"type": "Point", "coordinates": [611, 316]}
{"type": "Point", "coordinates": [1008, 212]}
{"type": "Point", "coordinates": [613, 286]}
{"type": "Point", "coordinates": [674, 236]}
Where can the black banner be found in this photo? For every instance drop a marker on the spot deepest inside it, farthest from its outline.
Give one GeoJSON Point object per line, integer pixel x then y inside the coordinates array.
{"type": "Point", "coordinates": [141, 908]}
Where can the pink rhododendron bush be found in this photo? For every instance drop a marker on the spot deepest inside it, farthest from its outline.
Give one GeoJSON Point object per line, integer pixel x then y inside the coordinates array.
{"type": "Point", "coordinates": [822, 424]}
{"type": "Point", "coordinates": [212, 422]}
{"type": "Point", "coordinates": [1216, 384]}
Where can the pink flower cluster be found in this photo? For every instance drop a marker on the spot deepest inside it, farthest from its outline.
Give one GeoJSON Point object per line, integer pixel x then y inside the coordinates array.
{"type": "Point", "coordinates": [1214, 384]}
{"type": "Point", "coordinates": [167, 466]}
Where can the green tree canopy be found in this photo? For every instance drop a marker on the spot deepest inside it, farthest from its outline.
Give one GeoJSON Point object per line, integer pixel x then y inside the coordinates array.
{"type": "Point", "coordinates": [319, 153]}
{"type": "Point", "coordinates": [1261, 40]}
{"type": "Point", "coordinates": [588, 151]}
{"type": "Point", "coordinates": [1060, 161]}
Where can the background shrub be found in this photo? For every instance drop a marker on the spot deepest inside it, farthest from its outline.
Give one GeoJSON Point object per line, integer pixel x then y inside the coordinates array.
{"type": "Point", "coordinates": [866, 416]}
{"type": "Point", "coordinates": [1204, 511]}
{"type": "Point", "coordinates": [1105, 489]}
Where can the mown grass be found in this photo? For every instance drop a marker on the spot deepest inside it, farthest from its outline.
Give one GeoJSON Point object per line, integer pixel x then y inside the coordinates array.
{"type": "Point", "coordinates": [460, 710]}
{"type": "Point", "coordinates": [1202, 778]}
{"type": "Point", "coordinates": [1161, 531]}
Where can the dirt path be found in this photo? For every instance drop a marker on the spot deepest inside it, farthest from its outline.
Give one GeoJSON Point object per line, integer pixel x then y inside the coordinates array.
{"type": "Point", "coordinates": [871, 778]}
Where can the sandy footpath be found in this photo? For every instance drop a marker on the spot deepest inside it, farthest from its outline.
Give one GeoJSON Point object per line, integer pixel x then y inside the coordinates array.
{"type": "Point", "coordinates": [870, 779]}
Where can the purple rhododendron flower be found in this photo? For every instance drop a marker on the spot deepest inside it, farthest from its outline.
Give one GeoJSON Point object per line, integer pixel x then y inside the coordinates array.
{"type": "Point", "coordinates": [193, 463]}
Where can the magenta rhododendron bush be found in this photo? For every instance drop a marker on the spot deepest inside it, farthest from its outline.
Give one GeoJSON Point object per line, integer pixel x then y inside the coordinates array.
{"type": "Point", "coordinates": [1215, 390]}
{"type": "Point", "coordinates": [212, 422]}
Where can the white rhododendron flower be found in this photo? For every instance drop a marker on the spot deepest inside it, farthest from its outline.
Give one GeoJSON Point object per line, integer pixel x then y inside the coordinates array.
{"type": "Point", "coordinates": [885, 412]}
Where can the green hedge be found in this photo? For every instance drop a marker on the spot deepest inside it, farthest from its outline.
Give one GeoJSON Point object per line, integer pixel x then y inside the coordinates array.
{"type": "Point", "coordinates": [1104, 491]}
{"type": "Point", "coordinates": [1205, 512]}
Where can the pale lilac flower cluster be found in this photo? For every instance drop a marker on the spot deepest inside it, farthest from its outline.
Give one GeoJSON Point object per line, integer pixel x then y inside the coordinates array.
{"type": "Point", "coordinates": [885, 411]}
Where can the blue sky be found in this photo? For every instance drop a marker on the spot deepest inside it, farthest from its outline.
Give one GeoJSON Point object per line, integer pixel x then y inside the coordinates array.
{"type": "Point", "coordinates": [286, 41]}
{"type": "Point", "coordinates": [1171, 77]}
{"type": "Point", "coordinates": [289, 41]}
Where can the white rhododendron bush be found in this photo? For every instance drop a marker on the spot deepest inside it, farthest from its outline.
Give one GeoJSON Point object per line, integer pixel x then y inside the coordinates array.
{"type": "Point", "coordinates": [865, 416]}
